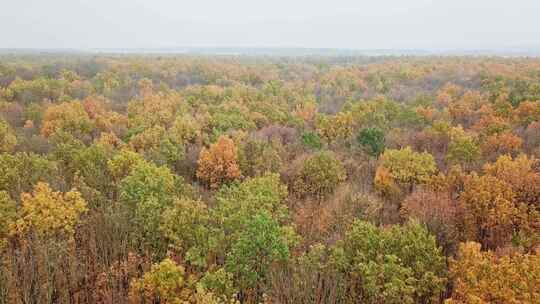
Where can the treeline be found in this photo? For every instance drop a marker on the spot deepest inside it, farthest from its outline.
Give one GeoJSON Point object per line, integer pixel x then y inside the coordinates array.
{"type": "Point", "coordinates": [145, 179]}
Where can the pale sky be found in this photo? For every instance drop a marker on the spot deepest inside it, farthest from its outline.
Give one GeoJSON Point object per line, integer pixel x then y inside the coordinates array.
{"type": "Point", "coordinates": [355, 24]}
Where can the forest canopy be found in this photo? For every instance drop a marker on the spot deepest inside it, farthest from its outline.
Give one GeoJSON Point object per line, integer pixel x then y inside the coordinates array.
{"type": "Point", "coordinates": [230, 179]}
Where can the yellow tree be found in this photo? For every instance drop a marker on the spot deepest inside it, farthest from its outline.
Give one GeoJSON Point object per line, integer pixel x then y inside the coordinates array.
{"type": "Point", "coordinates": [520, 174]}
{"type": "Point", "coordinates": [489, 210]}
{"type": "Point", "coordinates": [47, 212]}
{"type": "Point", "coordinates": [8, 215]}
{"type": "Point", "coordinates": [218, 164]}
{"type": "Point", "coordinates": [482, 277]}
{"type": "Point", "coordinates": [8, 140]}
{"type": "Point", "coordinates": [403, 168]}
{"type": "Point", "coordinates": [335, 127]}
{"type": "Point", "coordinates": [70, 117]}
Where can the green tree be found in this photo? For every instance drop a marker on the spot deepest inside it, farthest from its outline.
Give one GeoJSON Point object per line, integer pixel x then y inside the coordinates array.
{"type": "Point", "coordinates": [19, 172]}
{"type": "Point", "coordinates": [312, 140]}
{"type": "Point", "coordinates": [123, 163]}
{"type": "Point", "coordinates": [257, 157]}
{"type": "Point", "coordinates": [238, 203]}
{"type": "Point", "coordinates": [372, 139]}
{"type": "Point", "coordinates": [262, 243]}
{"type": "Point", "coordinates": [463, 150]}
{"type": "Point", "coordinates": [402, 264]}
{"type": "Point", "coordinates": [187, 225]}
{"type": "Point", "coordinates": [319, 175]}
{"type": "Point", "coordinates": [148, 190]}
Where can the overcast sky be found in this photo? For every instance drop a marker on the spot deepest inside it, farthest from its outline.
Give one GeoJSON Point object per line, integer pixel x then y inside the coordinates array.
{"type": "Point", "coordinates": [357, 24]}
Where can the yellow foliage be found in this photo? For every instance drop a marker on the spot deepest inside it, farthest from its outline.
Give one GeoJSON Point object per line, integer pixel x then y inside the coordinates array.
{"type": "Point", "coordinates": [404, 167]}
{"type": "Point", "coordinates": [8, 140]}
{"type": "Point", "coordinates": [164, 282]}
{"type": "Point", "coordinates": [47, 212]}
{"type": "Point", "coordinates": [490, 210]}
{"type": "Point", "coordinates": [8, 215]}
{"type": "Point", "coordinates": [482, 277]}
{"type": "Point", "coordinates": [70, 117]}
{"type": "Point", "coordinates": [339, 126]}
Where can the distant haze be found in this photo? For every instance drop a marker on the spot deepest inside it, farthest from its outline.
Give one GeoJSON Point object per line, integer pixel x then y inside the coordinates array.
{"type": "Point", "coordinates": [350, 24]}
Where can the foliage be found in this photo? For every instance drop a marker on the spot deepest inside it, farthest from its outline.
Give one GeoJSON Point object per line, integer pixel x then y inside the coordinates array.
{"type": "Point", "coordinates": [260, 245]}
{"type": "Point", "coordinates": [463, 149]}
{"type": "Point", "coordinates": [312, 140]}
{"type": "Point", "coordinates": [238, 203]}
{"type": "Point", "coordinates": [396, 265]}
{"type": "Point", "coordinates": [8, 140]}
{"type": "Point", "coordinates": [258, 157]}
{"type": "Point", "coordinates": [190, 158]}
{"type": "Point", "coordinates": [8, 216]}
{"type": "Point", "coordinates": [48, 213]}
{"type": "Point", "coordinates": [336, 127]}
{"type": "Point", "coordinates": [19, 172]}
{"type": "Point", "coordinates": [484, 277]}
{"type": "Point", "coordinates": [69, 117]}
{"type": "Point", "coordinates": [218, 164]}
{"type": "Point", "coordinates": [372, 139]}
{"type": "Point", "coordinates": [489, 210]}
{"type": "Point", "coordinates": [122, 164]}
{"type": "Point", "coordinates": [186, 224]}
{"type": "Point", "coordinates": [438, 212]}
{"type": "Point", "coordinates": [405, 168]}
{"type": "Point", "coordinates": [147, 191]}
{"type": "Point", "coordinates": [319, 176]}
{"type": "Point", "coordinates": [164, 283]}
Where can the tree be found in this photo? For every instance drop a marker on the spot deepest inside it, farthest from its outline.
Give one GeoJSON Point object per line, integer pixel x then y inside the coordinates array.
{"type": "Point", "coordinates": [313, 276]}
{"type": "Point", "coordinates": [490, 212]}
{"type": "Point", "coordinates": [185, 129]}
{"type": "Point", "coordinates": [521, 174]}
{"type": "Point", "coordinates": [258, 157]}
{"type": "Point", "coordinates": [69, 117]}
{"type": "Point", "coordinates": [147, 191]}
{"type": "Point", "coordinates": [8, 217]}
{"type": "Point", "coordinates": [372, 139]}
{"type": "Point", "coordinates": [319, 175]}
{"type": "Point", "coordinates": [405, 168]}
{"type": "Point", "coordinates": [219, 282]}
{"type": "Point", "coordinates": [483, 277]}
{"type": "Point", "coordinates": [8, 140]}
{"type": "Point", "coordinates": [187, 225]}
{"type": "Point", "coordinates": [21, 171]}
{"type": "Point", "coordinates": [88, 163]}
{"type": "Point", "coordinates": [402, 264]}
{"type": "Point", "coordinates": [335, 127]}
{"type": "Point", "coordinates": [463, 149]}
{"type": "Point", "coordinates": [164, 283]}
{"type": "Point", "coordinates": [218, 164]}
{"type": "Point", "coordinates": [312, 140]}
{"type": "Point", "coordinates": [502, 143]}
{"type": "Point", "coordinates": [123, 163]}
{"type": "Point", "coordinates": [48, 213]}
{"type": "Point", "coordinates": [238, 203]}
{"type": "Point", "coordinates": [261, 244]}
{"type": "Point", "coordinates": [438, 212]}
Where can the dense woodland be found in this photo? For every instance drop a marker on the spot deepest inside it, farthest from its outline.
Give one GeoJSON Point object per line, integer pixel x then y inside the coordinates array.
{"type": "Point", "coordinates": [185, 179]}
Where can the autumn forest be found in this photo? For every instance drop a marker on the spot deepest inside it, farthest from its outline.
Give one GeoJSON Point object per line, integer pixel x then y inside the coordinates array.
{"type": "Point", "coordinates": [178, 179]}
